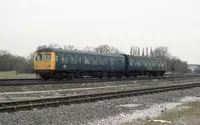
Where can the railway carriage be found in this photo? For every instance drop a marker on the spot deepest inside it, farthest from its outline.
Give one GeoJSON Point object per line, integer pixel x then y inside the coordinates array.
{"type": "Point", "coordinates": [59, 63]}
{"type": "Point", "coordinates": [138, 66]}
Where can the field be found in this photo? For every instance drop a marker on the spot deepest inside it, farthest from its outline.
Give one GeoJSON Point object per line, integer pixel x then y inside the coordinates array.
{"type": "Point", "coordinates": [13, 75]}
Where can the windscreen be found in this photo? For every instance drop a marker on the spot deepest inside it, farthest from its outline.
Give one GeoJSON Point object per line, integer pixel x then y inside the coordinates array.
{"type": "Point", "coordinates": [38, 58]}
{"type": "Point", "coordinates": [47, 57]}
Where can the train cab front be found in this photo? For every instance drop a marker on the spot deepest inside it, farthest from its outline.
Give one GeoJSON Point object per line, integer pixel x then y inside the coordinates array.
{"type": "Point", "coordinates": [44, 64]}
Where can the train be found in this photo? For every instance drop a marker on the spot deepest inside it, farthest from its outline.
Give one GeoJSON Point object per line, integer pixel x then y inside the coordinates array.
{"type": "Point", "coordinates": [58, 63]}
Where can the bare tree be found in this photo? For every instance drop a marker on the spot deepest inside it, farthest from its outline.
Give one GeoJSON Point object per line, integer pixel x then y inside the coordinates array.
{"type": "Point", "coordinates": [88, 49]}
{"type": "Point", "coordinates": [138, 51]}
{"type": "Point", "coordinates": [151, 52]}
{"type": "Point", "coordinates": [70, 47]}
{"type": "Point", "coordinates": [131, 51]}
{"type": "Point", "coordinates": [172, 63]}
{"type": "Point", "coordinates": [41, 46]}
{"type": "Point", "coordinates": [53, 45]}
{"type": "Point", "coordinates": [143, 52]}
{"type": "Point", "coordinates": [107, 49]}
{"type": "Point", "coordinates": [30, 57]}
{"type": "Point", "coordinates": [147, 52]}
{"type": "Point", "coordinates": [161, 52]}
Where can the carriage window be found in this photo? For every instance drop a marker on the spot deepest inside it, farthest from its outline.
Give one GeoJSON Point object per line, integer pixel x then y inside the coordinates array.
{"type": "Point", "coordinates": [138, 62]}
{"type": "Point", "coordinates": [47, 57]}
{"type": "Point", "coordinates": [79, 59]}
{"type": "Point", "coordinates": [94, 60]}
{"type": "Point", "coordinates": [106, 60]}
{"type": "Point", "coordinates": [66, 59]}
{"type": "Point", "coordinates": [157, 63]}
{"type": "Point", "coordinates": [38, 57]}
{"type": "Point", "coordinates": [73, 59]}
{"type": "Point", "coordinates": [86, 60]}
{"type": "Point", "coordinates": [62, 58]}
{"type": "Point", "coordinates": [120, 61]}
{"type": "Point", "coordinates": [111, 62]}
{"type": "Point", "coordinates": [154, 63]}
{"type": "Point", "coordinates": [102, 61]}
{"type": "Point", "coordinates": [135, 62]}
{"type": "Point", "coordinates": [162, 64]}
{"type": "Point", "coordinates": [144, 62]}
{"type": "Point", "coordinates": [148, 63]}
{"type": "Point", "coordinates": [123, 61]}
{"type": "Point", "coordinates": [131, 62]}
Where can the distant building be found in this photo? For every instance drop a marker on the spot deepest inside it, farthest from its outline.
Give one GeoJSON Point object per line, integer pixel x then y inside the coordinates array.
{"type": "Point", "coordinates": [193, 66]}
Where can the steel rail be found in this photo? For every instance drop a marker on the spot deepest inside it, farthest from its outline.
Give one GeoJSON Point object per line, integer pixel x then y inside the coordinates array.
{"type": "Point", "coordinates": [20, 79]}
{"type": "Point", "coordinates": [13, 106]}
{"type": "Point", "coordinates": [31, 79]}
{"type": "Point", "coordinates": [14, 82]}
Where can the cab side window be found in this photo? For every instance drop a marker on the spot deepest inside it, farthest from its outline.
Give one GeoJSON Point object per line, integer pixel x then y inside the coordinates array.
{"type": "Point", "coordinates": [56, 58]}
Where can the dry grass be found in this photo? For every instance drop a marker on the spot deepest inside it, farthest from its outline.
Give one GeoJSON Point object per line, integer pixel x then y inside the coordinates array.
{"type": "Point", "coordinates": [13, 75]}
{"type": "Point", "coordinates": [186, 116]}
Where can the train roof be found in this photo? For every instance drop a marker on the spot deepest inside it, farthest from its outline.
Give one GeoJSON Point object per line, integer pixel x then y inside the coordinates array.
{"type": "Point", "coordinates": [93, 53]}
{"type": "Point", "coordinates": [144, 57]}
{"type": "Point", "coordinates": [77, 51]}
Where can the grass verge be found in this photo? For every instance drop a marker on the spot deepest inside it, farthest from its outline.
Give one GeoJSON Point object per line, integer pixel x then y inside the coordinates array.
{"type": "Point", "coordinates": [13, 75]}
{"type": "Point", "coordinates": [186, 114]}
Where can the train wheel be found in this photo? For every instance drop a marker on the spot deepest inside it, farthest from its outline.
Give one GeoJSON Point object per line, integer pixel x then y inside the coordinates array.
{"type": "Point", "coordinates": [45, 78]}
{"type": "Point", "coordinates": [119, 76]}
{"type": "Point", "coordinates": [60, 78]}
{"type": "Point", "coordinates": [69, 77]}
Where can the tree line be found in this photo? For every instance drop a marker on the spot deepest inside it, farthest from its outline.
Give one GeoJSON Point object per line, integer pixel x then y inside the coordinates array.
{"type": "Point", "coordinates": [10, 62]}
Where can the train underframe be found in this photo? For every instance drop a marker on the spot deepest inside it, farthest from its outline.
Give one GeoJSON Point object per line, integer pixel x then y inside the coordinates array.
{"type": "Point", "coordinates": [58, 75]}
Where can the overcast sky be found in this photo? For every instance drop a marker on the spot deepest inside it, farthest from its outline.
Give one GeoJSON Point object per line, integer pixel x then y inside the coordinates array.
{"type": "Point", "coordinates": [25, 24]}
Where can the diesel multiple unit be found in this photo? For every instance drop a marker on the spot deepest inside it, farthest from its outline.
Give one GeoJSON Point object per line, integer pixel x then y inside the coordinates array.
{"type": "Point", "coordinates": [51, 63]}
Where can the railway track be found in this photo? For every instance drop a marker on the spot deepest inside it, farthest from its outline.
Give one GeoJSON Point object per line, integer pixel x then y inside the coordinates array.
{"type": "Point", "coordinates": [13, 82]}
{"type": "Point", "coordinates": [13, 106]}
